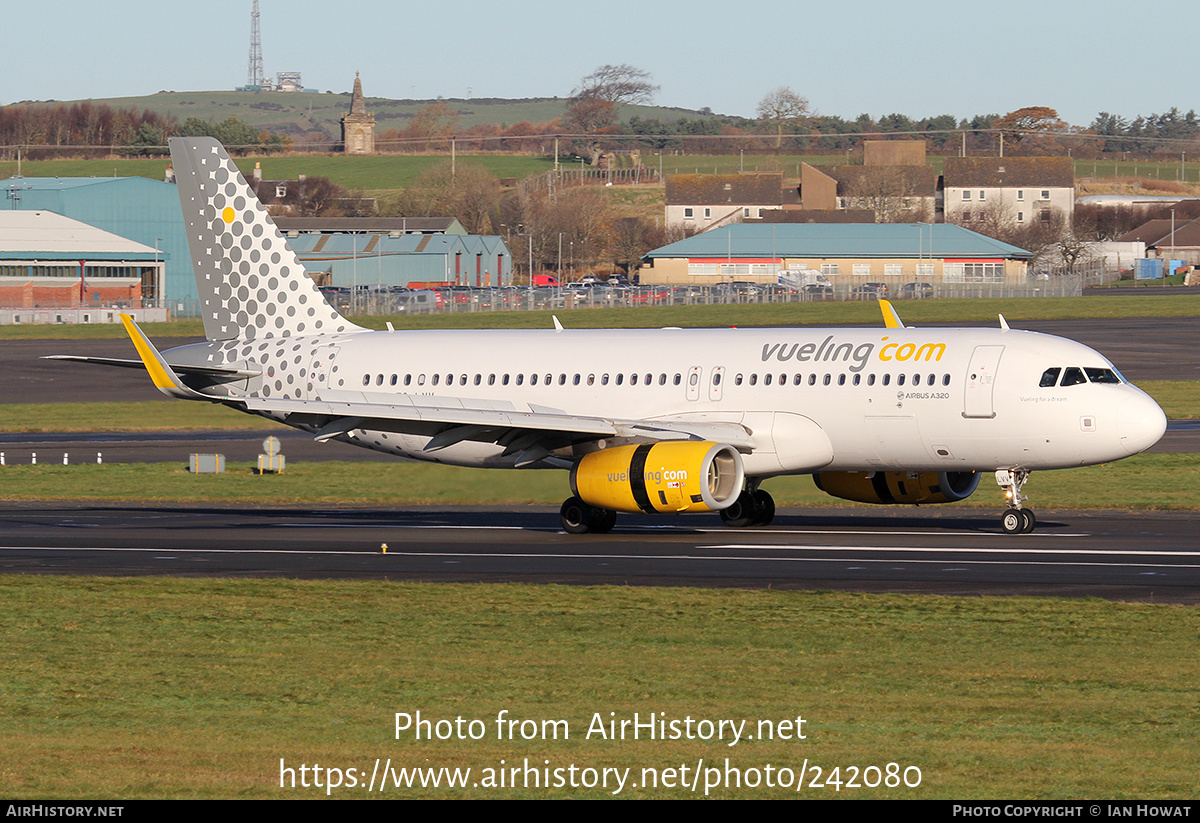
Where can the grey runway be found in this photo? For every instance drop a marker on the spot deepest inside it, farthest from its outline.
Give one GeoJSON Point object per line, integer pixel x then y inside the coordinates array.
{"type": "Point", "coordinates": [1124, 556]}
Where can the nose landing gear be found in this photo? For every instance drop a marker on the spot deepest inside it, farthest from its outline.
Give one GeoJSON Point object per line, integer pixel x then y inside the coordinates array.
{"type": "Point", "coordinates": [1016, 520]}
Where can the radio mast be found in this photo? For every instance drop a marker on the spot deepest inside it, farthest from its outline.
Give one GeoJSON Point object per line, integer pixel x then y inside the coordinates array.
{"type": "Point", "coordinates": [254, 77]}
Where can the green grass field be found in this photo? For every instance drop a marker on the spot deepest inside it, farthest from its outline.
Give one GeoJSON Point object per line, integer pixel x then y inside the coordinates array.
{"type": "Point", "coordinates": [120, 689]}
{"type": "Point", "coordinates": [913, 312]}
{"type": "Point", "coordinates": [1147, 481]}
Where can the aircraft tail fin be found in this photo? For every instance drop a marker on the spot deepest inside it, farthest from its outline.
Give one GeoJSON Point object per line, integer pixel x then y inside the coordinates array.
{"type": "Point", "coordinates": [251, 284]}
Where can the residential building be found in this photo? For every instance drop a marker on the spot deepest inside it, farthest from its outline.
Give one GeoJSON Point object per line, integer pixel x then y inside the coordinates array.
{"type": "Point", "coordinates": [997, 191]}
{"type": "Point", "coordinates": [699, 202]}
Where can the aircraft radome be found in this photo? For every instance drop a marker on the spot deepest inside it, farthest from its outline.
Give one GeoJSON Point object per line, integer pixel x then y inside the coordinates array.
{"type": "Point", "coordinates": [665, 420]}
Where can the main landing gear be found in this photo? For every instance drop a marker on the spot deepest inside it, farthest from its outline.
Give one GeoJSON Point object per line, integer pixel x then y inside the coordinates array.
{"type": "Point", "coordinates": [753, 507]}
{"type": "Point", "coordinates": [1016, 520]}
{"type": "Point", "coordinates": [578, 517]}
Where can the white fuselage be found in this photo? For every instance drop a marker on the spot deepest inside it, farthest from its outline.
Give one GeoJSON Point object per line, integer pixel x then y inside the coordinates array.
{"type": "Point", "coordinates": [834, 399]}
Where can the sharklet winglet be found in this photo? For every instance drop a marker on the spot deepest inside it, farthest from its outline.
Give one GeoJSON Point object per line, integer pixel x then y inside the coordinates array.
{"type": "Point", "coordinates": [890, 318]}
{"type": "Point", "coordinates": [164, 377]}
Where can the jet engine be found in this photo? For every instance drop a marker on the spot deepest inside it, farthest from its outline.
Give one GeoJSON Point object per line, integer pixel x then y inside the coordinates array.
{"type": "Point", "coordinates": [898, 487]}
{"type": "Point", "coordinates": [668, 476]}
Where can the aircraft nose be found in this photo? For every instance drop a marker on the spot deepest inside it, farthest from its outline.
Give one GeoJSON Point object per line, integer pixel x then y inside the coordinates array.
{"type": "Point", "coordinates": [1140, 423]}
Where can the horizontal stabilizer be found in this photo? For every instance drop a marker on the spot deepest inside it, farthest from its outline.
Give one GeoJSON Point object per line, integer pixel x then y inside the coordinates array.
{"type": "Point", "coordinates": [205, 371]}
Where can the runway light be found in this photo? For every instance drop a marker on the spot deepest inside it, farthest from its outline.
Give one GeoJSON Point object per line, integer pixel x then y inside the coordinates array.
{"type": "Point", "coordinates": [65, 461]}
{"type": "Point", "coordinates": [383, 547]}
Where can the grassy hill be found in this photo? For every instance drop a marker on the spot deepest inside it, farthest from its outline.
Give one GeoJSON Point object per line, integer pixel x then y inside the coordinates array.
{"type": "Point", "coordinates": [300, 112]}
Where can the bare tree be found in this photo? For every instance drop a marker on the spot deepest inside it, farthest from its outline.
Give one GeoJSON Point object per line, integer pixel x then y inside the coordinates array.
{"type": "Point", "coordinates": [594, 103]}
{"type": "Point", "coordinates": [893, 192]}
{"type": "Point", "coordinates": [782, 107]}
{"type": "Point", "coordinates": [617, 84]}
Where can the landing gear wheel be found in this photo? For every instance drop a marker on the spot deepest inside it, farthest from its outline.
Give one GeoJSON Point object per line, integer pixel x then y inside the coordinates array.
{"type": "Point", "coordinates": [1028, 521]}
{"type": "Point", "coordinates": [741, 513]}
{"type": "Point", "coordinates": [575, 516]}
{"type": "Point", "coordinates": [1016, 520]}
{"type": "Point", "coordinates": [603, 521]}
{"type": "Point", "coordinates": [764, 506]}
{"type": "Point", "coordinates": [578, 517]}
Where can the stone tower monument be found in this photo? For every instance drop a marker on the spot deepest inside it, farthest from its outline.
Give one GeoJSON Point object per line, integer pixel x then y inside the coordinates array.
{"type": "Point", "coordinates": [358, 127]}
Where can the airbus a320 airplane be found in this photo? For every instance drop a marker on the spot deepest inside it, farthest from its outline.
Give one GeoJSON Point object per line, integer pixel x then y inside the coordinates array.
{"type": "Point", "coordinates": [666, 420]}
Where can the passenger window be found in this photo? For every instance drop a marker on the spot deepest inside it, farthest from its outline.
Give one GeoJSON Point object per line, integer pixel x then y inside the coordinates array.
{"type": "Point", "coordinates": [887, 379]}
{"type": "Point", "coordinates": [783, 379]}
{"type": "Point", "coordinates": [716, 378]}
{"type": "Point", "coordinates": [395, 379]}
{"type": "Point", "coordinates": [421, 379]}
{"type": "Point", "coordinates": [767, 379]}
{"type": "Point", "coordinates": [857, 378]}
{"type": "Point", "coordinates": [812, 380]}
{"type": "Point", "coordinates": [436, 378]}
{"type": "Point", "coordinates": [520, 379]}
{"type": "Point", "coordinates": [797, 380]}
{"type": "Point", "coordinates": [492, 380]}
{"type": "Point", "coordinates": [648, 379]}
{"type": "Point", "coordinates": [693, 379]}
{"type": "Point", "coordinates": [533, 379]}
{"type": "Point", "coordinates": [620, 379]}
{"type": "Point", "coordinates": [900, 380]}
{"type": "Point", "coordinates": [366, 379]}
{"type": "Point", "coordinates": [1073, 376]}
{"type": "Point", "coordinates": [408, 379]}
{"type": "Point", "coordinates": [549, 377]}
{"type": "Point", "coordinates": [562, 380]}
{"type": "Point", "coordinates": [945, 380]}
{"type": "Point", "coordinates": [737, 380]}
{"type": "Point", "coordinates": [1050, 377]}
{"type": "Point", "coordinates": [478, 378]}
{"type": "Point", "coordinates": [841, 379]}
{"type": "Point", "coordinates": [932, 379]}
{"type": "Point", "coordinates": [827, 380]}
{"type": "Point", "coordinates": [754, 380]}
{"type": "Point", "coordinates": [662, 380]}
{"type": "Point", "coordinates": [462, 381]}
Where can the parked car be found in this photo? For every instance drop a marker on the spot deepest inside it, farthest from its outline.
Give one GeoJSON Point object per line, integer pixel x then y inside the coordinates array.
{"type": "Point", "coordinates": [817, 288]}
{"type": "Point", "coordinates": [875, 290]}
{"type": "Point", "coordinates": [917, 290]}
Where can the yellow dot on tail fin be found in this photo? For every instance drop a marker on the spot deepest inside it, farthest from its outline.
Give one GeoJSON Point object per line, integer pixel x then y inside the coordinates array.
{"type": "Point", "coordinates": [228, 214]}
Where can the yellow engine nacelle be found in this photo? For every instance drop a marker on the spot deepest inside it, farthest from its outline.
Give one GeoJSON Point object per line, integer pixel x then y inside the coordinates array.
{"type": "Point", "coordinates": [670, 476]}
{"type": "Point", "coordinates": [898, 487]}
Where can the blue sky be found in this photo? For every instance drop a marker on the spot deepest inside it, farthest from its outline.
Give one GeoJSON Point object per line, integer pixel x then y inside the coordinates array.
{"type": "Point", "coordinates": [920, 58]}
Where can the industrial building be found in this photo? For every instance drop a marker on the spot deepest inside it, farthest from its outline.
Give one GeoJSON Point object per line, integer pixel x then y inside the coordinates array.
{"type": "Point", "coordinates": [853, 253]}
{"type": "Point", "coordinates": [51, 261]}
{"type": "Point", "coordinates": [336, 251]}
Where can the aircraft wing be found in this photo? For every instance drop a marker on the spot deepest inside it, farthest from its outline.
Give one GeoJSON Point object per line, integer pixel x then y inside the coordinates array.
{"type": "Point", "coordinates": [535, 432]}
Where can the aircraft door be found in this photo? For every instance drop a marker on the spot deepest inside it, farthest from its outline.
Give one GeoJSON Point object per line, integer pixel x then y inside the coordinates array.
{"type": "Point", "coordinates": [715, 383]}
{"type": "Point", "coordinates": [320, 371]}
{"type": "Point", "coordinates": [981, 382]}
{"type": "Point", "coordinates": [694, 376]}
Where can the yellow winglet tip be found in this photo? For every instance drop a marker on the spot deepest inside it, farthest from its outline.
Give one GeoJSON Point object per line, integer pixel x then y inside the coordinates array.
{"type": "Point", "coordinates": [159, 374]}
{"type": "Point", "coordinates": [890, 318]}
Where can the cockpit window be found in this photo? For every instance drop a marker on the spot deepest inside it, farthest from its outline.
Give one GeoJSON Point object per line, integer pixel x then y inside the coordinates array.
{"type": "Point", "coordinates": [1102, 376]}
{"type": "Point", "coordinates": [1073, 376]}
{"type": "Point", "coordinates": [1050, 377]}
